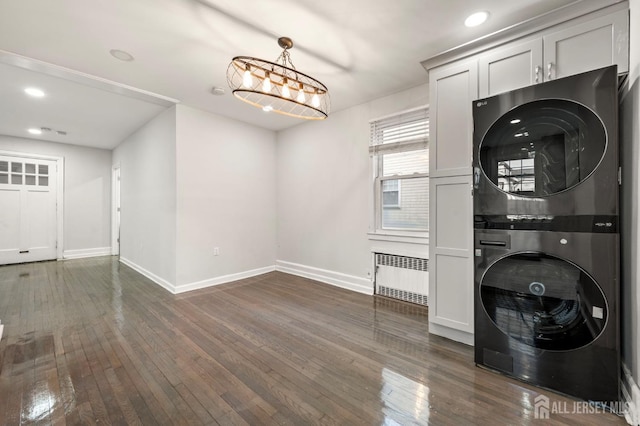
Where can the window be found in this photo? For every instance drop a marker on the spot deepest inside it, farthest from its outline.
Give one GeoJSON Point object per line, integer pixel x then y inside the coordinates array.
{"type": "Point", "coordinates": [399, 148]}
{"type": "Point", "coordinates": [517, 175]}
{"type": "Point", "coordinates": [391, 193]}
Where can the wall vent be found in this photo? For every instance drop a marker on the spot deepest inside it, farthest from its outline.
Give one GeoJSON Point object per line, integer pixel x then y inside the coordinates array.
{"type": "Point", "coordinates": [402, 277]}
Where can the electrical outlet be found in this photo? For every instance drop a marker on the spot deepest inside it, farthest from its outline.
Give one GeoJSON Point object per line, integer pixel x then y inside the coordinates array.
{"type": "Point", "coordinates": [216, 251]}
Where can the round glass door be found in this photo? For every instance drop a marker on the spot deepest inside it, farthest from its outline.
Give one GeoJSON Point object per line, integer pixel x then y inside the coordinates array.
{"type": "Point", "coordinates": [543, 301]}
{"type": "Point", "coordinates": [543, 147]}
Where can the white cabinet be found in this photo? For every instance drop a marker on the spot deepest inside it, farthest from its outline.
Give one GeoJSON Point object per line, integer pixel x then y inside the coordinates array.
{"type": "Point", "coordinates": [450, 253]}
{"type": "Point", "coordinates": [510, 67]}
{"type": "Point", "coordinates": [570, 48]}
{"type": "Point", "coordinates": [452, 88]}
{"type": "Point", "coordinates": [590, 45]}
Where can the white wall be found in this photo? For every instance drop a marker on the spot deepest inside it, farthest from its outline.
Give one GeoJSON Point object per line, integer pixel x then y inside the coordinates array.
{"type": "Point", "coordinates": [147, 162]}
{"type": "Point", "coordinates": [630, 155]}
{"type": "Point", "coordinates": [325, 190]}
{"type": "Point", "coordinates": [87, 191]}
{"type": "Point", "coordinates": [226, 199]}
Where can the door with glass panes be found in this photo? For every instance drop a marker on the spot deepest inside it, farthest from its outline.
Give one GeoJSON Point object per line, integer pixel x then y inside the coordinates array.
{"type": "Point", "coordinates": [28, 225]}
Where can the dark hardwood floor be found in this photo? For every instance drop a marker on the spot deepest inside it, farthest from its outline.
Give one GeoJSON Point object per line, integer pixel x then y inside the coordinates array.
{"type": "Point", "coordinates": [91, 341]}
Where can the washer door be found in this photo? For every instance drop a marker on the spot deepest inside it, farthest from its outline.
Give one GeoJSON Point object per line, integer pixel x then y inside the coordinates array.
{"type": "Point", "coordinates": [543, 147]}
{"type": "Point", "coordinates": [543, 301]}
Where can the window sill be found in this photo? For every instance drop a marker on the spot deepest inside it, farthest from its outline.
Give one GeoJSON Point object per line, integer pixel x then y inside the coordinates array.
{"type": "Point", "coordinates": [412, 237]}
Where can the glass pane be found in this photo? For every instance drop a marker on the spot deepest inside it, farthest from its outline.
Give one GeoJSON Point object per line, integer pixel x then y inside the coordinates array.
{"type": "Point", "coordinates": [30, 168]}
{"type": "Point", "coordinates": [405, 163]}
{"type": "Point", "coordinates": [390, 193]}
{"type": "Point", "coordinates": [4, 166]}
{"type": "Point", "coordinates": [540, 148]}
{"type": "Point", "coordinates": [43, 169]}
{"type": "Point", "coordinates": [517, 175]}
{"type": "Point", "coordinates": [411, 208]}
{"type": "Point", "coordinates": [30, 180]}
{"type": "Point", "coordinates": [16, 179]}
{"type": "Point", "coordinates": [16, 167]}
{"type": "Point", "coordinates": [543, 301]}
{"type": "Point", "coordinates": [43, 181]}
{"type": "Point", "coordinates": [4, 178]}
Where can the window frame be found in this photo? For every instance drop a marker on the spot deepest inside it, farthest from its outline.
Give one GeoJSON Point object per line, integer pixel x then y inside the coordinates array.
{"type": "Point", "coordinates": [377, 152]}
{"type": "Point", "coordinates": [398, 190]}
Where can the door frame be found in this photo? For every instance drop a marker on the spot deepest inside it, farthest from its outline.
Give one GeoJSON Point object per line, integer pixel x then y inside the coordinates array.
{"type": "Point", "coordinates": [115, 204]}
{"type": "Point", "coordinates": [59, 192]}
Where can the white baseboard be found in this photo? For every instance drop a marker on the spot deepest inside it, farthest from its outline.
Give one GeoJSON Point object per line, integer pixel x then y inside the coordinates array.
{"type": "Point", "coordinates": [338, 279]}
{"type": "Point", "coordinates": [223, 279]}
{"type": "Point", "coordinates": [630, 397]}
{"type": "Point", "coordinates": [452, 334]}
{"type": "Point", "coordinates": [91, 252]}
{"type": "Point", "coordinates": [153, 277]}
{"type": "Point", "coordinates": [349, 282]}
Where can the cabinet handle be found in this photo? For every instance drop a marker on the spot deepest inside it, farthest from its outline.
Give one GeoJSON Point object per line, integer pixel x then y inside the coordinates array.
{"type": "Point", "coordinates": [549, 66]}
{"type": "Point", "coordinates": [538, 73]}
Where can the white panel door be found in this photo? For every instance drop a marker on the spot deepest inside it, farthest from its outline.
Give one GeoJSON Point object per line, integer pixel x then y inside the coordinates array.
{"type": "Point", "coordinates": [452, 89]}
{"type": "Point", "coordinates": [450, 253]}
{"type": "Point", "coordinates": [28, 226]}
{"type": "Point", "coordinates": [591, 45]}
{"type": "Point", "coordinates": [510, 67]}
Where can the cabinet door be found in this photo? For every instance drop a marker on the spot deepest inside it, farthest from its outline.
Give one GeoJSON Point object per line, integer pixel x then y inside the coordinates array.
{"type": "Point", "coordinates": [450, 254]}
{"type": "Point", "coordinates": [510, 67]}
{"type": "Point", "coordinates": [452, 89]}
{"type": "Point", "coordinates": [591, 45]}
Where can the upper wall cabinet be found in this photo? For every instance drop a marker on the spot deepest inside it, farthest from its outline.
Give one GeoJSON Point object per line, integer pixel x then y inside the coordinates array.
{"type": "Point", "coordinates": [452, 89]}
{"type": "Point", "coordinates": [592, 44]}
{"type": "Point", "coordinates": [510, 67]}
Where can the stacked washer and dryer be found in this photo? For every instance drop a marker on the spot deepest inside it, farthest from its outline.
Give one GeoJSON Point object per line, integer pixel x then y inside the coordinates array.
{"type": "Point", "coordinates": [546, 219]}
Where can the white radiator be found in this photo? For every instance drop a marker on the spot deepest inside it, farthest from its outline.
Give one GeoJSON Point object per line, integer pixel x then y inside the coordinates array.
{"type": "Point", "coordinates": [402, 277]}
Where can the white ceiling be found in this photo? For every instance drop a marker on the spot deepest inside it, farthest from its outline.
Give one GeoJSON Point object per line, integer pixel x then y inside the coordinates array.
{"type": "Point", "coordinates": [360, 49]}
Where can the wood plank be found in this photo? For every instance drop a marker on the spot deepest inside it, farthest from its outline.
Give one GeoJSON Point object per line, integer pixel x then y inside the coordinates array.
{"type": "Point", "coordinates": [90, 341]}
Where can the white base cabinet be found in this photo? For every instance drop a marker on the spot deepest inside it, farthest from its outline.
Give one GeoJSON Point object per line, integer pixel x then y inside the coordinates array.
{"type": "Point", "coordinates": [450, 255]}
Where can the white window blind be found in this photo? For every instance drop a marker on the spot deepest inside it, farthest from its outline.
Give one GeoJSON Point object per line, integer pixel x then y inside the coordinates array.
{"type": "Point", "coordinates": [407, 131]}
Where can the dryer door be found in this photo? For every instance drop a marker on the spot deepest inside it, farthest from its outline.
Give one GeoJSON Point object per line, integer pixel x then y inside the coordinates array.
{"type": "Point", "coordinates": [542, 147]}
{"type": "Point", "coordinates": [543, 301]}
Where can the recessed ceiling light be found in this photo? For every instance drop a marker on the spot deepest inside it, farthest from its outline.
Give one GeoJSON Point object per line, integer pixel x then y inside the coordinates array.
{"type": "Point", "coordinates": [122, 55]}
{"type": "Point", "coordinates": [476, 19]}
{"type": "Point", "coordinates": [33, 91]}
{"type": "Point", "coordinates": [515, 121]}
{"type": "Point", "coordinates": [35, 131]}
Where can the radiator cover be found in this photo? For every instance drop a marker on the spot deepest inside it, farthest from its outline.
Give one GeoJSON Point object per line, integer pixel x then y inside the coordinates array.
{"type": "Point", "coordinates": [402, 277]}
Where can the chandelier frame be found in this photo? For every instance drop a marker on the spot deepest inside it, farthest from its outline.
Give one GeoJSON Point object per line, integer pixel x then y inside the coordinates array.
{"type": "Point", "coordinates": [246, 77]}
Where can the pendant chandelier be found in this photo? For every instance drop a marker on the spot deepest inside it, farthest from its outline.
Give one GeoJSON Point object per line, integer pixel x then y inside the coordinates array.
{"type": "Point", "coordinates": [278, 86]}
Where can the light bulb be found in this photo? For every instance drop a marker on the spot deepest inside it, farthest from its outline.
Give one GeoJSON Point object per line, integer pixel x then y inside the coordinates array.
{"type": "Point", "coordinates": [315, 101]}
{"type": "Point", "coordinates": [301, 97]}
{"type": "Point", "coordinates": [247, 80]}
{"type": "Point", "coordinates": [285, 89]}
{"type": "Point", "coordinates": [266, 83]}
